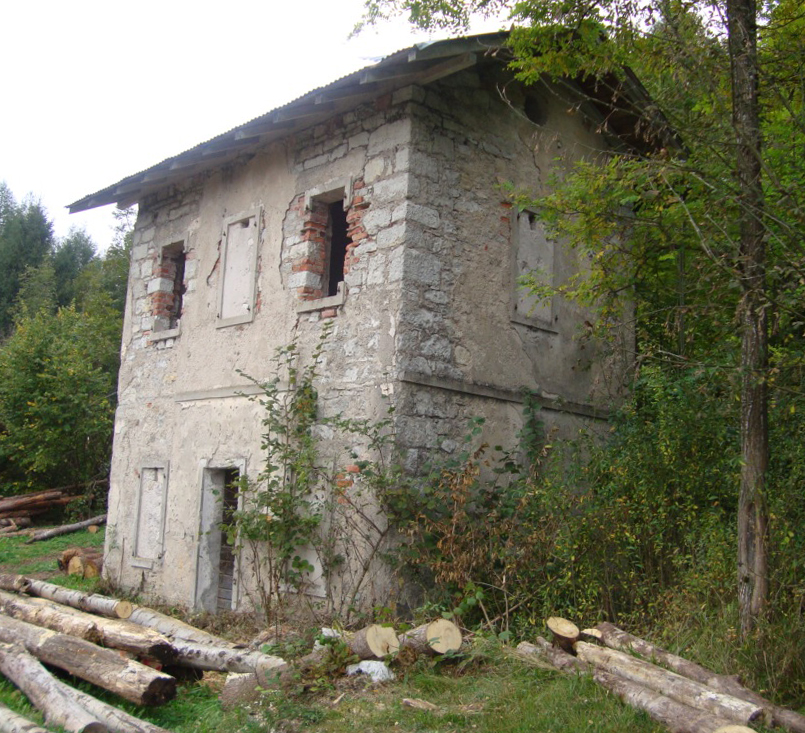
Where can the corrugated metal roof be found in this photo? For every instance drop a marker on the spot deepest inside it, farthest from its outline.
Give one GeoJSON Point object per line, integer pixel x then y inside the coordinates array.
{"type": "Point", "coordinates": [421, 63]}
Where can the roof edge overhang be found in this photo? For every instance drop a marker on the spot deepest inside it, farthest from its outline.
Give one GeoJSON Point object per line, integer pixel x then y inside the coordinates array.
{"type": "Point", "coordinates": [620, 104]}
{"type": "Point", "coordinates": [421, 64]}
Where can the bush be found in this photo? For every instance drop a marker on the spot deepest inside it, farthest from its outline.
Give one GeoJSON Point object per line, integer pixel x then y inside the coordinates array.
{"type": "Point", "coordinates": [57, 398]}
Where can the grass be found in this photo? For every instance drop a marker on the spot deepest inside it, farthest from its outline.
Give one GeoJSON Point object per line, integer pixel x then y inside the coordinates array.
{"type": "Point", "coordinates": [489, 691]}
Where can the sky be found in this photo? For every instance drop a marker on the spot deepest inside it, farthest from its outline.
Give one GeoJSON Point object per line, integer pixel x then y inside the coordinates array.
{"type": "Point", "coordinates": [95, 90]}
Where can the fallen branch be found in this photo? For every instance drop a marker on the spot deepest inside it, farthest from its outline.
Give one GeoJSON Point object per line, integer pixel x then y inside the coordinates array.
{"type": "Point", "coordinates": [47, 534]}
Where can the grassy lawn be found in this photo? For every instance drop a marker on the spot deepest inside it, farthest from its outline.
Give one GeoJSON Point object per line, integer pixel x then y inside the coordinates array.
{"type": "Point", "coordinates": [487, 691]}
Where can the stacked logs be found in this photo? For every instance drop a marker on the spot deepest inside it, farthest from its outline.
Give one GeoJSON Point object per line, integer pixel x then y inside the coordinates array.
{"type": "Point", "coordinates": [26, 506]}
{"type": "Point", "coordinates": [681, 695]}
{"type": "Point", "coordinates": [130, 651]}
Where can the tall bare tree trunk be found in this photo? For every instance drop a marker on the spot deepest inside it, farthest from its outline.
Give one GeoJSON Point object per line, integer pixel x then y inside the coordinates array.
{"type": "Point", "coordinates": [752, 511]}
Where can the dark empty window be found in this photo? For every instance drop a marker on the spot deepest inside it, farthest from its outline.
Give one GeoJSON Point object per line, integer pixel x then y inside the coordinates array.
{"type": "Point", "coordinates": [337, 240]}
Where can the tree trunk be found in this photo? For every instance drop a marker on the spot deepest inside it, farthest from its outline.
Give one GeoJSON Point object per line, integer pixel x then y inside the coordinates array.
{"type": "Point", "coordinates": [753, 520]}
{"type": "Point", "coordinates": [438, 637]}
{"type": "Point", "coordinates": [47, 534]}
{"type": "Point", "coordinates": [223, 659]}
{"type": "Point", "coordinates": [113, 718]}
{"type": "Point", "coordinates": [615, 638]}
{"type": "Point", "coordinates": [103, 667]}
{"type": "Point", "coordinates": [10, 722]}
{"type": "Point", "coordinates": [555, 657]}
{"type": "Point", "coordinates": [675, 716]}
{"type": "Point", "coordinates": [565, 633]}
{"type": "Point", "coordinates": [175, 629]}
{"type": "Point", "coordinates": [373, 642]}
{"type": "Point", "coordinates": [681, 689]}
{"type": "Point", "coordinates": [112, 633]}
{"type": "Point", "coordinates": [93, 603]}
{"type": "Point", "coordinates": [54, 701]}
{"type": "Point", "coordinates": [23, 500]}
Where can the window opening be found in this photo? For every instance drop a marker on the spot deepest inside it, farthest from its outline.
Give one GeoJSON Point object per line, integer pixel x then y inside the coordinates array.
{"type": "Point", "coordinates": [168, 298]}
{"type": "Point", "coordinates": [226, 561]}
{"type": "Point", "coordinates": [337, 241]}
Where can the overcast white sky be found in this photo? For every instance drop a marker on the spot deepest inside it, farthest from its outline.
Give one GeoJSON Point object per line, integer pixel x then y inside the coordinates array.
{"type": "Point", "coordinates": [95, 90]}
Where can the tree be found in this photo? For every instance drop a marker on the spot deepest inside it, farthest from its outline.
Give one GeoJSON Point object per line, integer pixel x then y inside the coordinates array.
{"type": "Point", "coordinates": [26, 238]}
{"type": "Point", "coordinates": [57, 390]}
{"type": "Point", "coordinates": [70, 256]}
{"type": "Point", "coordinates": [686, 229]}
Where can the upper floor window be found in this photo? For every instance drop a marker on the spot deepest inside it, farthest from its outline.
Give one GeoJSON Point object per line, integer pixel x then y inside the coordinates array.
{"type": "Point", "coordinates": [238, 283]}
{"type": "Point", "coordinates": [534, 258]}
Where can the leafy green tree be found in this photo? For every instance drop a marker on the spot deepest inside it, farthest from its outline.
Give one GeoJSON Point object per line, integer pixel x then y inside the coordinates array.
{"type": "Point", "coordinates": [26, 238]}
{"type": "Point", "coordinates": [57, 397]}
{"type": "Point", "coordinates": [70, 257]}
{"type": "Point", "coordinates": [711, 230]}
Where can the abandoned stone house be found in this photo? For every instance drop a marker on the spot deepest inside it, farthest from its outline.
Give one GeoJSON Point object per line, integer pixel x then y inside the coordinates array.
{"type": "Point", "coordinates": [377, 204]}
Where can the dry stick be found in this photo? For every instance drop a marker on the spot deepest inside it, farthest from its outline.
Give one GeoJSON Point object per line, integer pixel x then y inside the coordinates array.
{"type": "Point", "coordinates": [112, 633]}
{"type": "Point", "coordinates": [676, 716]}
{"type": "Point", "coordinates": [66, 529]}
{"type": "Point", "coordinates": [103, 667]}
{"type": "Point", "coordinates": [113, 718]}
{"type": "Point", "coordinates": [670, 684]}
{"type": "Point", "coordinates": [615, 638]}
{"type": "Point", "coordinates": [11, 722]}
{"type": "Point", "coordinates": [94, 603]}
{"type": "Point", "coordinates": [55, 702]}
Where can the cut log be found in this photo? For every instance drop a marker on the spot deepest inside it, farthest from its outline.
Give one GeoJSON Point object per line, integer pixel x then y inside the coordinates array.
{"type": "Point", "coordinates": [553, 656]}
{"type": "Point", "coordinates": [694, 694]}
{"type": "Point", "coordinates": [113, 718]}
{"type": "Point", "coordinates": [675, 716]}
{"type": "Point", "coordinates": [46, 616]}
{"type": "Point", "coordinates": [565, 633]}
{"type": "Point", "coordinates": [47, 534]}
{"type": "Point", "coordinates": [22, 500]}
{"type": "Point", "coordinates": [223, 659]}
{"type": "Point", "coordinates": [56, 704]}
{"type": "Point", "coordinates": [112, 633]}
{"type": "Point", "coordinates": [13, 525]}
{"type": "Point", "coordinates": [175, 629]}
{"type": "Point", "coordinates": [438, 637]}
{"type": "Point", "coordinates": [616, 638]}
{"type": "Point", "coordinates": [373, 642]}
{"type": "Point", "coordinates": [11, 722]}
{"type": "Point", "coordinates": [85, 565]}
{"type": "Point", "coordinates": [91, 602]}
{"type": "Point", "coordinates": [592, 635]}
{"type": "Point", "coordinates": [103, 667]}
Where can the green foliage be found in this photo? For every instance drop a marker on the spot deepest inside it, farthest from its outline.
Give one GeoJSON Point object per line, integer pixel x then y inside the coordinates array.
{"type": "Point", "coordinates": [26, 238]}
{"type": "Point", "coordinates": [57, 398]}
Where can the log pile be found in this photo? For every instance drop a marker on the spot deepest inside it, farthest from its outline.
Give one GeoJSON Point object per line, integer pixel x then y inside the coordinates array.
{"type": "Point", "coordinates": [31, 505]}
{"type": "Point", "coordinates": [681, 695]}
{"type": "Point", "coordinates": [107, 642]}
